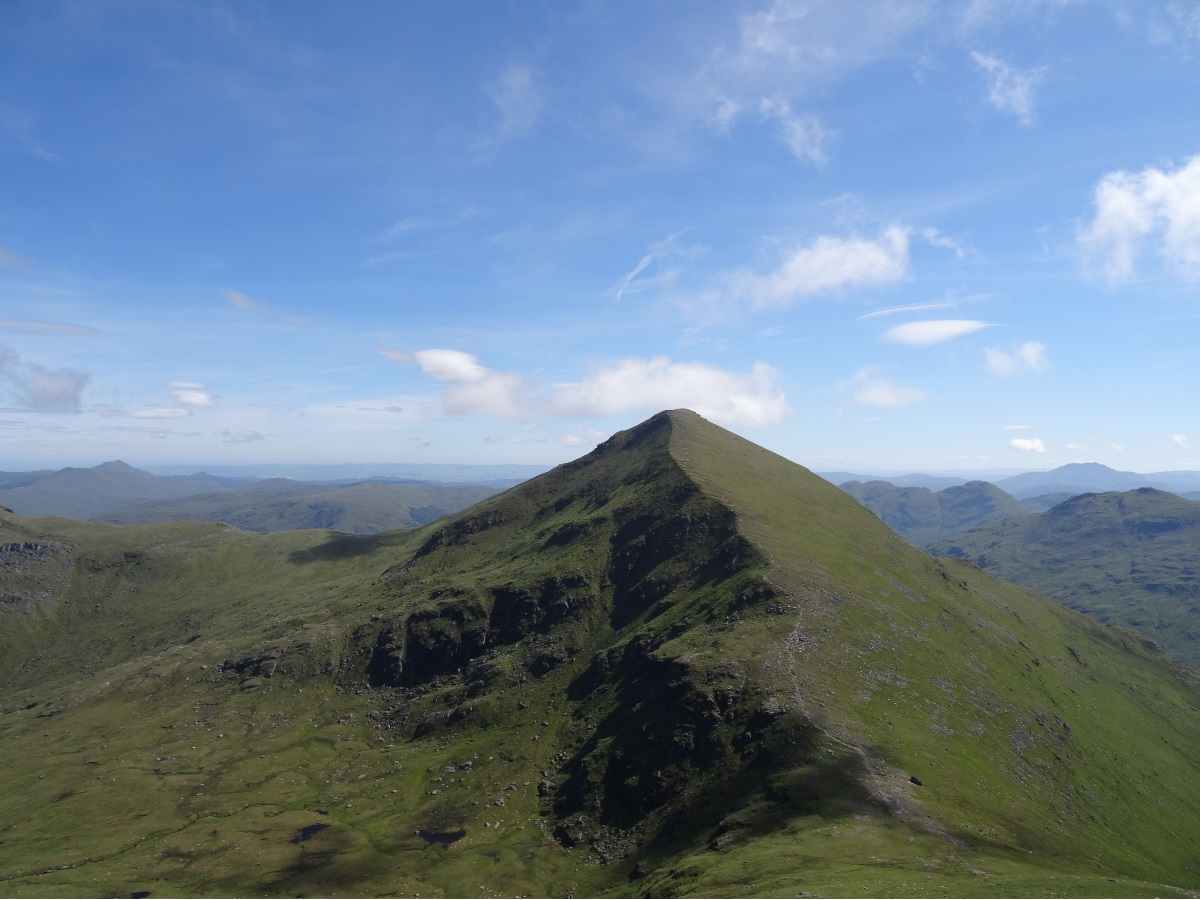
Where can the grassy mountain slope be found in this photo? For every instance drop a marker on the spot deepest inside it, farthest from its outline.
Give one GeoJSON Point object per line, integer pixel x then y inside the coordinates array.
{"type": "Point", "coordinates": [280, 504]}
{"type": "Point", "coordinates": [680, 665]}
{"type": "Point", "coordinates": [1125, 558]}
{"type": "Point", "coordinates": [84, 493]}
{"type": "Point", "coordinates": [924, 517]}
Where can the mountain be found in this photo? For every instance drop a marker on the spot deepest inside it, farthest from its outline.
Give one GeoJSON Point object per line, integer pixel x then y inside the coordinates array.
{"type": "Point", "coordinates": [680, 665]}
{"type": "Point", "coordinates": [84, 493]}
{"type": "Point", "coordinates": [915, 480]}
{"type": "Point", "coordinates": [497, 476]}
{"type": "Point", "coordinates": [1125, 558]}
{"type": "Point", "coordinates": [278, 504]}
{"type": "Point", "coordinates": [1083, 478]}
{"type": "Point", "coordinates": [924, 517]}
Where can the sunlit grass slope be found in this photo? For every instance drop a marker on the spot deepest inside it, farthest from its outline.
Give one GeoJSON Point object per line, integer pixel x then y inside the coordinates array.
{"type": "Point", "coordinates": [680, 665]}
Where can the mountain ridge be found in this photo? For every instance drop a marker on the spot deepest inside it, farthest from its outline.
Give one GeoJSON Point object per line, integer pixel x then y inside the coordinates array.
{"type": "Point", "coordinates": [678, 665]}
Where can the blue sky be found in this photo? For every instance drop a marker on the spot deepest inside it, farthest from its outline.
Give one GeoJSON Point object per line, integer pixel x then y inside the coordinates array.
{"type": "Point", "coordinates": [871, 236]}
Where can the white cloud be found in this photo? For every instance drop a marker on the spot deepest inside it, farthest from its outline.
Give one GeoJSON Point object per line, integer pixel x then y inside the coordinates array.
{"type": "Point", "coordinates": [1028, 445]}
{"type": "Point", "coordinates": [1078, 446]}
{"type": "Point", "coordinates": [730, 398]}
{"type": "Point", "coordinates": [1181, 441]}
{"type": "Point", "coordinates": [193, 398]}
{"type": "Point", "coordinates": [932, 331]}
{"type": "Point", "coordinates": [473, 387]}
{"type": "Point", "coordinates": [804, 135]}
{"type": "Point", "coordinates": [1155, 206]}
{"type": "Point", "coordinates": [450, 365]}
{"type": "Point", "coordinates": [1009, 90]}
{"type": "Point", "coordinates": [1029, 357]}
{"type": "Point", "coordinates": [827, 264]}
{"type": "Point", "coordinates": [493, 394]}
{"type": "Point", "coordinates": [238, 300]}
{"type": "Point", "coordinates": [869, 389]}
{"type": "Point", "coordinates": [1017, 427]}
{"type": "Point", "coordinates": [618, 386]}
{"type": "Point", "coordinates": [187, 385]}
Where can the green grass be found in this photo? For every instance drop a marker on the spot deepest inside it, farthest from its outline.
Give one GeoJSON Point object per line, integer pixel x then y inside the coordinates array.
{"type": "Point", "coordinates": [679, 666]}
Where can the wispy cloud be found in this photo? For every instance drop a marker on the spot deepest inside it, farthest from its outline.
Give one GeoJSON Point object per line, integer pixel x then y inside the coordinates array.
{"type": "Point", "coordinates": [518, 99]}
{"type": "Point", "coordinates": [1181, 441]}
{"type": "Point", "coordinates": [33, 326]}
{"type": "Point", "coordinates": [893, 310]}
{"type": "Point", "coordinates": [241, 437]}
{"type": "Point", "coordinates": [162, 412]}
{"type": "Point", "coordinates": [1018, 427]}
{"type": "Point", "coordinates": [11, 259]}
{"type": "Point", "coordinates": [667, 248]}
{"type": "Point", "coordinates": [804, 135]}
{"type": "Point", "coordinates": [827, 264]}
{"type": "Point", "coordinates": [1010, 90]}
{"type": "Point", "coordinates": [403, 227]}
{"type": "Point", "coordinates": [39, 389]}
{"type": "Point", "coordinates": [1028, 357]}
{"type": "Point", "coordinates": [933, 331]}
{"type": "Point", "coordinates": [238, 300]}
{"type": "Point", "coordinates": [870, 389]}
{"type": "Point", "coordinates": [1159, 207]}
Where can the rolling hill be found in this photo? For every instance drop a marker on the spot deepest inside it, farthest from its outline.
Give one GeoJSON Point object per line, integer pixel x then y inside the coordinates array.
{"type": "Point", "coordinates": [925, 517]}
{"type": "Point", "coordinates": [1125, 558]}
{"type": "Point", "coordinates": [680, 665]}
{"type": "Point", "coordinates": [279, 504]}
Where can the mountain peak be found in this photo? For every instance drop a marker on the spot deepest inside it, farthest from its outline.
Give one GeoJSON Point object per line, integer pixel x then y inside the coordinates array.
{"type": "Point", "coordinates": [117, 466]}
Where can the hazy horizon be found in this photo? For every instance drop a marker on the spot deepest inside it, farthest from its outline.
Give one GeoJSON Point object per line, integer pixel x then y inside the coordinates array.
{"type": "Point", "coordinates": [919, 236]}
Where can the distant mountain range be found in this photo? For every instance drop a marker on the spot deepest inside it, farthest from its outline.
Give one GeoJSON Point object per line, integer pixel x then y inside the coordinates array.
{"type": "Point", "coordinates": [1129, 558]}
{"type": "Point", "coordinates": [499, 476]}
{"type": "Point", "coordinates": [119, 493]}
{"type": "Point", "coordinates": [278, 504]}
{"type": "Point", "coordinates": [1066, 481]}
{"type": "Point", "coordinates": [923, 516]}
{"type": "Point", "coordinates": [85, 493]}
